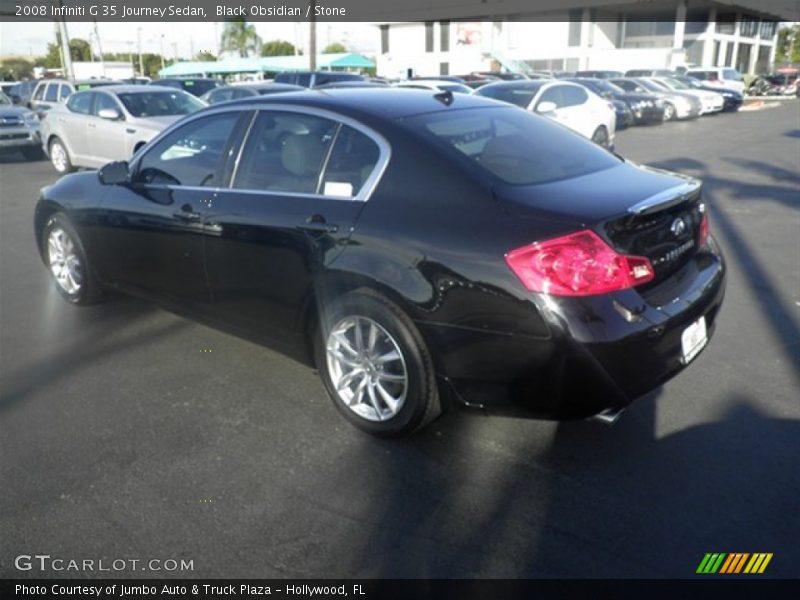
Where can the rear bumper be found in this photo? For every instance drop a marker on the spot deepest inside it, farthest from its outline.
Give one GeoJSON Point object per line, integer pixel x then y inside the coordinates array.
{"type": "Point", "coordinates": [594, 359]}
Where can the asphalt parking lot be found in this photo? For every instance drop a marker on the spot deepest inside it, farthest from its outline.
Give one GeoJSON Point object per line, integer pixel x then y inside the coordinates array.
{"type": "Point", "coordinates": [129, 432]}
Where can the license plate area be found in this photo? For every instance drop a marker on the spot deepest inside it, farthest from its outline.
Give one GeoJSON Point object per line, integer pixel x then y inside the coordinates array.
{"type": "Point", "coordinates": [693, 339]}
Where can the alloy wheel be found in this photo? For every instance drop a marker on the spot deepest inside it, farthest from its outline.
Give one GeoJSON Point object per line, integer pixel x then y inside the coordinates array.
{"type": "Point", "coordinates": [64, 262]}
{"type": "Point", "coordinates": [58, 156]}
{"type": "Point", "coordinates": [367, 368]}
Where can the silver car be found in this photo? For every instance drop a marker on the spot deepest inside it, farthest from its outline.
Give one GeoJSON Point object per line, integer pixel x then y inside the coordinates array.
{"type": "Point", "coordinates": [102, 125]}
{"type": "Point", "coordinates": [19, 129]}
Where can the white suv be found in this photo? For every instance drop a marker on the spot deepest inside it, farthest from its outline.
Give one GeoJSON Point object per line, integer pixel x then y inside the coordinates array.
{"type": "Point", "coordinates": [724, 77]}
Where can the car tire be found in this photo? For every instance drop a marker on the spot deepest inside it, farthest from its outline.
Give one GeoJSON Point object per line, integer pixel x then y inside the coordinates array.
{"type": "Point", "coordinates": [386, 384]}
{"type": "Point", "coordinates": [33, 153]}
{"type": "Point", "coordinates": [68, 263]}
{"type": "Point", "coordinates": [59, 157]}
{"type": "Point", "coordinates": [669, 111]}
{"type": "Point", "coordinates": [600, 136]}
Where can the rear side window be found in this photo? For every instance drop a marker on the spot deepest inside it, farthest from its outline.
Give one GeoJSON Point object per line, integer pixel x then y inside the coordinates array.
{"type": "Point", "coordinates": [573, 95]}
{"type": "Point", "coordinates": [303, 79]}
{"type": "Point", "coordinates": [51, 95]}
{"type": "Point", "coordinates": [514, 146]}
{"type": "Point", "coordinates": [285, 152]}
{"type": "Point", "coordinates": [81, 103]}
{"type": "Point", "coordinates": [190, 155]}
{"type": "Point", "coordinates": [39, 93]}
{"type": "Point", "coordinates": [351, 162]}
{"type": "Point", "coordinates": [64, 91]}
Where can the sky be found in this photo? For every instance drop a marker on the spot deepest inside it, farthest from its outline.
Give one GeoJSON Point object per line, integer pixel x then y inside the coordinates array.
{"type": "Point", "coordinates": [31, 38]}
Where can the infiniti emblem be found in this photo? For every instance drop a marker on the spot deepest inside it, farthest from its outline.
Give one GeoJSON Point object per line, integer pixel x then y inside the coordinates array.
{"type": "Point", "coordinates": [678, 227]}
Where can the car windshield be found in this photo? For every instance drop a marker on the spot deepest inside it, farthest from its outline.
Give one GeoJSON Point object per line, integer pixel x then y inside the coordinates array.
{"type": "Point", "coordinates": [653, 87]}
{"type": "Point", "coordinates": [87, 85]}
{"type": "Point", "coordinates": [4, 99]}
{"type": "Point", "coordinates": [514, 146]}
{"type": "Point", "coordinates": [603, 85]}
{"type": "Point", "coordinates": [198, 87]}
{"type": "Point", "coordinates": [520, 95]}
{"type": "Point", "coordinates": [160, 104]}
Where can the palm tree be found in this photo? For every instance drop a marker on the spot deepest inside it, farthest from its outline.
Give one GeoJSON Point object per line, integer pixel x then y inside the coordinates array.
{"type": "Point", "coordinates": [240, 37]}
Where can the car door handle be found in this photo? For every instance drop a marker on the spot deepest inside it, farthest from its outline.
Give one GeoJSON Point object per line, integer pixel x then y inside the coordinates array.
{"type": "Point", "coordinates": [187, 214]}
{"type": "Point", "coordinates": [318, 224]}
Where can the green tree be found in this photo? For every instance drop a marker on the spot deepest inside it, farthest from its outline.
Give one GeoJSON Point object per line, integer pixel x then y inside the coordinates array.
{"type": "Point", "coordinates": [14, 69]}
{"type": "Point", "coordinates": [240, 37]}
{"type": "Point", "coordinates": [277, 48]}
{"type": "Point", "coordinates": [334, 48]}
{"type": "Point", "coordinates": [80, 50]}
{"type": "Point", "coordinates": [788, 48]}
{"type": "Point", "coordinates": [205, 56]}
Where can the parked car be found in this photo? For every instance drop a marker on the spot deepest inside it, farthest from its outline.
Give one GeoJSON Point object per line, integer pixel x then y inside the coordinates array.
{"type": "Point", "coordinates": [19, 129]}
{"type": "Point", "coordinates": [567, 103]}
{"type": "Point", "coordinates": [196, 86]}
{"type": "Point", "coordinates": [598, 74]}
{"type": "Point", "coordinates": [676, 105]}
{"type": "Point", "coordinates": [645, 108]}
{"type": "Point", "coordinates": [711, 102]}
{"type": "Point", "coordinates": [310, 79]}
{"type": "Point", "coordinates": [524, 273]}
{"type": "Point", "coordinates": [234, 92]}
{"type": "Point", "coordinates": [725, 77]}
{"type": "Point", "coordinates": [21, 93]}
{"type": "Point", "coordinates": [441, 85]}
{"type": "Point", "coordinates": [136, 80]}
{"type": "Point", "coordinates": [504, 75]}
{"type": "Point", "coordinates": [732, 99]}
{"type": "Point", "coordinates": [649, 73]}
{"type": "Point", "coordinates": [5, 87]}
{"type": "Point", "coordinates": [97, 126]}
{"type": "Point", "coordinates": [52, 92]}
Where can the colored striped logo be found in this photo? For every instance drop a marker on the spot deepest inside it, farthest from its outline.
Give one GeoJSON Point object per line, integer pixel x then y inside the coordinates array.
{"type": "Point", "coordinates": [736, 562]}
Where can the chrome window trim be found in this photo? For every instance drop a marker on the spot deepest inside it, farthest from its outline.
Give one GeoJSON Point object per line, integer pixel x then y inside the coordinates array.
{"type": "Point", "coordinates": [367, 188]}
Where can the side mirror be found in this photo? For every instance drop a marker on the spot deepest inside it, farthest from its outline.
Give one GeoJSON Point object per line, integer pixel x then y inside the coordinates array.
{"type": "Point", "coordinates": [112, 114]}
{"type": "Point", "coordinates": [114, 173]}
{"type": "Point", "coordinates": [546, 107]}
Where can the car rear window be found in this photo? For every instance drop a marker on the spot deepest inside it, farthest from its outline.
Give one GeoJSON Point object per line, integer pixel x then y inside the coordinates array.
{"type": "Point", "coordinates": [160, 104]}
{"type": "Point", "coordinates": [516, 147]}
{"type": "Point", "coordinates": [520, 95]}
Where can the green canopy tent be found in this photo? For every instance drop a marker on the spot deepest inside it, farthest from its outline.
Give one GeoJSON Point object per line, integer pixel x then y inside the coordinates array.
{"type": "Point", "coordinates": [266, 64]}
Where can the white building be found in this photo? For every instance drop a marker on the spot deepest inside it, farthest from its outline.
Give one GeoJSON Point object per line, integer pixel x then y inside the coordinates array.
{"type": "Point", "coordinates": [586, 34]}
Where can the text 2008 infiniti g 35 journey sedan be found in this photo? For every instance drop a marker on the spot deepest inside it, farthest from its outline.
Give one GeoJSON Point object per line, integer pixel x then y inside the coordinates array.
{"type": "Point", "coordinates": [421, 249]}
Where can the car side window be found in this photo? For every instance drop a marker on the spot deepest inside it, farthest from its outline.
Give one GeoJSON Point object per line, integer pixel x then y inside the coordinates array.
{"type": "Point", "coordinates": [104, 101]}
{"type": "Point", "coordinates": [222, 95]}
{"type": "Point", "coordinates": [190, 155]}
{"type": "Point", "coordinates": [303, 79]}
{"type": "Point", "coordinates": [285, 152]}
{"type": "Point", "coordinates": [51, 95]}
{"type": "Point", "coordinates": [351, 162]}
{"type": "Point", "coordinates": [81, 103]}
{"type": "Point", "coordinates": [39, 93]}
{"type": "Point", "coordinates": [573, 95]}
{"type": "Point", "coordinates": [553, 94]}
{"type": "Point", "coordinates": [64, 92]}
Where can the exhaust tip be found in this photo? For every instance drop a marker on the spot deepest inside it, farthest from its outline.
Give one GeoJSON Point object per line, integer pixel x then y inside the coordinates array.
{"type": "Point", "coordinates": [608, 417]}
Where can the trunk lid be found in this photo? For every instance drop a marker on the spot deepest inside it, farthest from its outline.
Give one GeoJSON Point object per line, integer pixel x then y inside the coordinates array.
{"type": "Point", "coordinates": [638, 210]}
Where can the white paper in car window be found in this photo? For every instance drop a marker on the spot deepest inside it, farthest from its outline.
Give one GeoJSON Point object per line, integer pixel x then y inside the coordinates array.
{"type": "Point", "coordinates": [338, 188]}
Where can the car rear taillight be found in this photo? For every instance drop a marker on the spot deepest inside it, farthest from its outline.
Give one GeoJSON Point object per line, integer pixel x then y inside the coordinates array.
{"type": "Point", "coordinates": [578, 264]}
{"type": "Point", "coordinates": [702, 236]}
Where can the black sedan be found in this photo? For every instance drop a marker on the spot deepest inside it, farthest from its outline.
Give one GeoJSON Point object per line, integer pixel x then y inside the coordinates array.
{"type": "Point", "coordinates": [732, 100]}
{"type": "Point", "coordinates": [645, 108]}
{"type": "Point", "coordinates": [234, 92]}
{"type": "Point", "coordinates": [420, 249]}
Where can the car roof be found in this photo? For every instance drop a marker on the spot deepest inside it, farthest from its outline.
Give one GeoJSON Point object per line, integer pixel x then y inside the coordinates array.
{"type": "Point", "coordinates": [379, 102]}
{"type": "Point", "coordinates": [133, 89]}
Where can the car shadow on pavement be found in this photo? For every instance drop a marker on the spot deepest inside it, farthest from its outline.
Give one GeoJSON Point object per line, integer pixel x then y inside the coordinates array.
{"type": "Point", "coordinates": [595, 502]}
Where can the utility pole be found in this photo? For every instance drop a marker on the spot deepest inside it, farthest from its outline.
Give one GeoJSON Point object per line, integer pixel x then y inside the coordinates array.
{"type": "Point", "coordinates": [139, 44]}
{"type": "Point", "coordinates": [100, 49]}
{"type": "Point", "coordinates": [162, 51]}
{"type": "Point", "coordinates": [66, 58]}
{"type": "Point", "coordinates": [312, 38]}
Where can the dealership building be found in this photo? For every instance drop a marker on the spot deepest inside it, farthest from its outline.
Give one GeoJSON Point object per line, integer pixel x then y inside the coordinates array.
{"type": "Point", "coordinates": [571, 35]}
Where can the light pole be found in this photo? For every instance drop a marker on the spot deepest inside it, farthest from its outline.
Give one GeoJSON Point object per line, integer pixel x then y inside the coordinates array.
{"type": "Point", "coordinates": [162, 51]}
{"type": "Point", "coordinates": [312, 38]}
{"type": "Point", "coordinates": [139, 44]}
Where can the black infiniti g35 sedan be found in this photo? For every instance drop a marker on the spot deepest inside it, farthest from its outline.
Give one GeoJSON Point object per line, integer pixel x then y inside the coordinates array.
{"type": "Point", "coordinates": [420, 249]}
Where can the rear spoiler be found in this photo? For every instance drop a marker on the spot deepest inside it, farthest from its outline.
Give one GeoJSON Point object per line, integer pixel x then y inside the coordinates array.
{"type": "Point", "coordinates": [669, 197]}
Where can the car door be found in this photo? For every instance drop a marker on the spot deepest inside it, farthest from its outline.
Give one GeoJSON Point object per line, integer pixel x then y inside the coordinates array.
{"type": "Point", "coordinates": [300, 184]}
{"type": "Point", "coordinates": [151, 229]}
{"type": "Point", "coordinates": [71, 125]}
{"type": "Point", "coordinates": [107, 137]}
